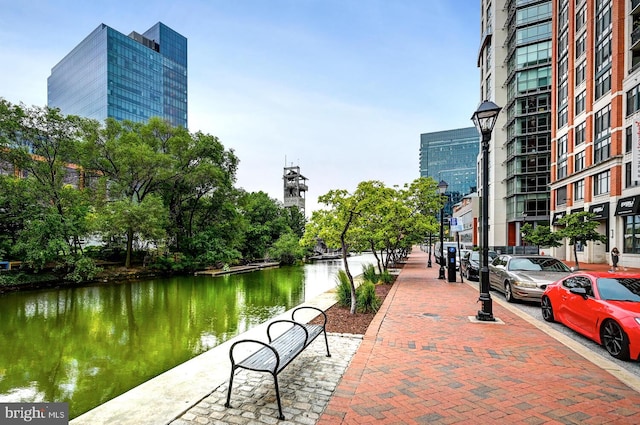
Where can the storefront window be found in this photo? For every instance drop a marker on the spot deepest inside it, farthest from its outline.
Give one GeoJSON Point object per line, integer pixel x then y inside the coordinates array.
{"type": "Point", "coordinates": [632, 234]}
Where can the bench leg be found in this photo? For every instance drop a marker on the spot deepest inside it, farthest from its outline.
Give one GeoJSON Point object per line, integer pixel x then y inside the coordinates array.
{"type": "Point", "coordinates": [275, 380]}
{"type": "Point", "coordinates": [326, 341]}
{"type": "Point", "coordinates": [228, 403]}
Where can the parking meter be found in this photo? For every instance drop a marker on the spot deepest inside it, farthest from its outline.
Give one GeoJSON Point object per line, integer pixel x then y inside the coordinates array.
{"type": "Point", "coordinates": [451, 263]}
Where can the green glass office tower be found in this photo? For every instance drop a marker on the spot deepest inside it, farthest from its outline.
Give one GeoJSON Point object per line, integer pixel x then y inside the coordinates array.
{"type": "Point", "coordinates": [132, 77]}
{"type": "Point", "coordinates": [452, 156]}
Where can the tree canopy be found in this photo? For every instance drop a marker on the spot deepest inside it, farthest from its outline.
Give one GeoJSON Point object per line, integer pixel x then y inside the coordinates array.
{"type": "Point", "coordinates": [68, 182]}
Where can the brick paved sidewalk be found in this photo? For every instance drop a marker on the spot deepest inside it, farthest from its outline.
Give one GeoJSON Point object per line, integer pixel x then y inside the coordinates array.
{"type": "Point", "coordinates": [423, 361]}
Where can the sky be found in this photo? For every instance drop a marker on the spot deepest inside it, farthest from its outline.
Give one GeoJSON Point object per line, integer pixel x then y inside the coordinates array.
{"type": "Point", "coordinates": [341, 88]}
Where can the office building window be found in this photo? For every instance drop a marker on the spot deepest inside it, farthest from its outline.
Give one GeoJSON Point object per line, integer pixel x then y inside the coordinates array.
{"type": "Point", "coordinates": [603, 84]}
{"type": "Point", "coordinates": [603, 55]}
{"type": "Point", "coordinates": [561, 157]}
{"type": "Point", "coordinates": [628, 139]}
{"type": "Point", "coordinates": [580, 133]}
{"type": "Point", "coordinates": [602, 136]}
{"type": "Point", "coordinates": [561, 195]}
{"type": "Point", "coordinates": [580, 102]}
{"type": "Point", "coordinates": [633, 100]}
{"type": "Point", "coordinates": [563, 94]}
{"type": "Point", "coordinates": [578, 161]}
{"type": "Point", "coordinates": [562, 117]}
{"type": "Point", "coordinates": [629, 180]}
{"type": "Point", "coordinates": [578, 190]}
{"type": "Point", "coordinates": [581, 72]}
{"type": "Point", "coordinates": [581, 45]}
{"type": "Point", "coordinates": [601, 183]}
{"type": "Point", "coordinates": [581, 17]}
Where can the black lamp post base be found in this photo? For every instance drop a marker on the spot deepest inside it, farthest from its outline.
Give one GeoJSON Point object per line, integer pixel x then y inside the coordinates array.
{"type": "Point", "coordinates": [485, 317]}
{"type": "Point", "coordinates": [441, 273]}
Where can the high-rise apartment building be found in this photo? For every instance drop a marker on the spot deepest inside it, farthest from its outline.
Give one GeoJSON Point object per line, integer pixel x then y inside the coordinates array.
{"type": "Point", "coordinates": [132, 77]}
{"type": "Point", "coordinates": [515, 73]}
{"type": "Point", "coordinates": [595, 124]}
{"type": "Point", "coordinates": [451, 155]}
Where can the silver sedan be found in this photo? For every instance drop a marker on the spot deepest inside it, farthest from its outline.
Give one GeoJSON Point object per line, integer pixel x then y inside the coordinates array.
{"type": "Point", "coordinates": [525, 277]}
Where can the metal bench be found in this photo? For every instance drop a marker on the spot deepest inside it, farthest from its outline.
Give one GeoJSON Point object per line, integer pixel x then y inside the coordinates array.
{"type": "Point", "coordinates": [275, 355]}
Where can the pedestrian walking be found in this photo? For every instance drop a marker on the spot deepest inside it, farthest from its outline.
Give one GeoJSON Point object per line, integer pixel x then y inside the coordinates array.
{"type": "Point", "coordinates": [615, 256]}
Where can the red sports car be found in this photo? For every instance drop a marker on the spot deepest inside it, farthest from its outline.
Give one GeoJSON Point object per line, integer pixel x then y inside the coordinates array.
{"type": "Point", "coordinates": [604, 307]}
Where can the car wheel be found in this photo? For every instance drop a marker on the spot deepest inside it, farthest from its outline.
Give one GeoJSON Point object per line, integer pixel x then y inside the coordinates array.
{"type": "Point", "coordinates": [547, 309]}
{"type": "Point", "coordinates": [508, 295]}
{"type": "Point", "coordinates": [615, 340]}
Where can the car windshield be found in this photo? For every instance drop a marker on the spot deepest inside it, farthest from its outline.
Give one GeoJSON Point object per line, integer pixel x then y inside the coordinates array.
{"type": "Point", "coordinates": [537, 264]}
{"type": "Point", "coordinates": [475, 255]}
{"type": "Point", "coordinates": [619, 289]}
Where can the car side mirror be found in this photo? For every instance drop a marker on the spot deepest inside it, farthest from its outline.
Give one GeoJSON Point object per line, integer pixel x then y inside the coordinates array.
{"type": "Point", "coordinates": [572, 268]}
{"type": "Point", "coordinates": [579, 291]}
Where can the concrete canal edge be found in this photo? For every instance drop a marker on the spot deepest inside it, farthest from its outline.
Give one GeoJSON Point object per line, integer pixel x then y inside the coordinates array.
{"type": "Point", "coordinates": [167, 396]}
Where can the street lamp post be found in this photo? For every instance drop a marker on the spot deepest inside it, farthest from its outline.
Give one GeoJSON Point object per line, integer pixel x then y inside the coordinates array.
{"type": "Point", "coordinates": [429, 261]}
{"type": "Point", "coordinates": [442, 189]}
{"type": "Point", "coordinates": [524, 243]}
{"type": "Point", "coordinates": [484, 119]}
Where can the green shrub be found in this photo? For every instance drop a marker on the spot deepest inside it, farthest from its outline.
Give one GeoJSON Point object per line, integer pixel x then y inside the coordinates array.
{"type": "Point", "coordinates": [386, 277]}
{"type": "Point", "coordinates": [83, 269]}
{"type": "Point", "coordinates": [343, 289]}
{"type": "Point", "coordinates": [369, 273]}
{"type": "Point", "coordinates": [367, 300]}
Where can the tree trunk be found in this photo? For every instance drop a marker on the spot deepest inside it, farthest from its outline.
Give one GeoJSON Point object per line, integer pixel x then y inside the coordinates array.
{"type": "Point", "coordinates": [346, 264]}
{"type": "Point", "coordinates": [575, 255]}
{"type": "Point", "coordinates": [375, 255]}
{"type": "Point", "coordinates": [127, 262]}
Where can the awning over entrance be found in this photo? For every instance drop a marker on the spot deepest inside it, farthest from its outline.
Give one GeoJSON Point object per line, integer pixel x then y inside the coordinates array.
{"type": "Point", "coordinates": [601, 211]}
{"type": "Point", "coordinates": [628, 206]}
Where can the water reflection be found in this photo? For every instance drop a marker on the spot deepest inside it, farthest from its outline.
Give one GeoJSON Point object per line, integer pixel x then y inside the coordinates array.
{"type": "Point", "coordinates": [87, 345]}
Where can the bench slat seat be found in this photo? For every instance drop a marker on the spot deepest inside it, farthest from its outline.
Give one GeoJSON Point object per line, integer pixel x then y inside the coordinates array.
{"type": "Point", "coordinates": [279, 352]}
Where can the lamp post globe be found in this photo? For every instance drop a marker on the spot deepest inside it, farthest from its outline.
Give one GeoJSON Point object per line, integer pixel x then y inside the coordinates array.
{"type": "Point", "coordinates": [484, 119]}
{"type": "Point", "coordinates": [442, 189]}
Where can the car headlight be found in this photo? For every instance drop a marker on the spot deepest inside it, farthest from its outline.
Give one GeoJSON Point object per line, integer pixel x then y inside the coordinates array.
{"type": "Point", "coordinates": [524, 284]}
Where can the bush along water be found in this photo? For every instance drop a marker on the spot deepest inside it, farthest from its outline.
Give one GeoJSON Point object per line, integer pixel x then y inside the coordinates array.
{"type": "Point", "coordinates": [343, 289]}
{"type": "Point", "coordinates": [366, 299]}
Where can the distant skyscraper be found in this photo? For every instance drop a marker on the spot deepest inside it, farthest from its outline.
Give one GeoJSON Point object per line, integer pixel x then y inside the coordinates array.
{"type": "Point", "coordinates": [133, 77]}
{"type": "Point", "coordinates": [452, 156]}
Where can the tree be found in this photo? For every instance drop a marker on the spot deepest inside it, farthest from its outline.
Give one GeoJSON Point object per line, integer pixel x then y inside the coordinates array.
{"type": "Point", "coordinates": [133, 161]}
{"type": "Point", "coordinates": [201, 189]}
{"type": "Point", "coordinates": [265, 221]}
{"type": "Point", "coordinates": [287, 249]}
{"type": "Point", "coordinates": [580, 228]}
{"type": "Point", "coordinates": [43, 146]}
{"type": "Point", "coordinates": [374, 216]}
{"type": "Point", "coordinates": [333, 226]}
{"type": "Point", "coordinates": [541, 235]}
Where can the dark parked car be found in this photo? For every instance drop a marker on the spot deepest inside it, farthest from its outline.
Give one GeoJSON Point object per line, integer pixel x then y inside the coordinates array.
{"type": "Point", "coordinates": [525, 277]}
{"type": "Point", "coordinates": [470, 264]}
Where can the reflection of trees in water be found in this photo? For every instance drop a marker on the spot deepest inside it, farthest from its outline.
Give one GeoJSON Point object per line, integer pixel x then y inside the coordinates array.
{"type": "Point", "coordinates": [87, 345]}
